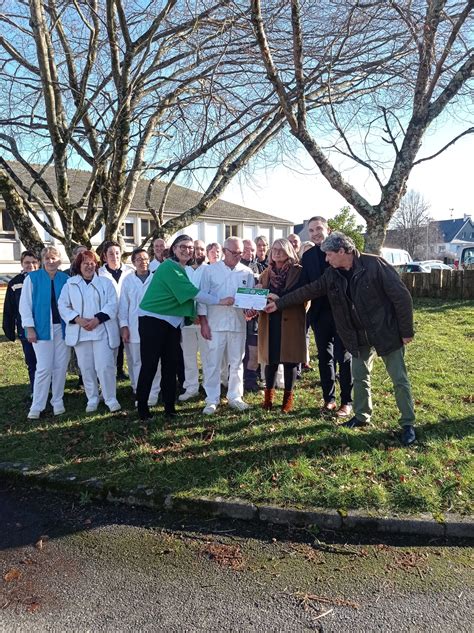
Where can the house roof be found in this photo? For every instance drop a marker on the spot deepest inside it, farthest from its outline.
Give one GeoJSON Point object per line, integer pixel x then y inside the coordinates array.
{"type": "Point", "coordinates": [180, 198]}
{"type": "Point", "coordinates": [450, 228]}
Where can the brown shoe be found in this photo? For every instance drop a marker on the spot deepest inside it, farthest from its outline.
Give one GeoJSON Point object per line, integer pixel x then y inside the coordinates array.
{"type": "Point", "coordinates": [344, 411]}
{"type": "Point", "coordinates": [330, 406]}
{"type": "Point", "coordinates": [268, 401]}
{"type": "Point", "coordinates": [287, 405]}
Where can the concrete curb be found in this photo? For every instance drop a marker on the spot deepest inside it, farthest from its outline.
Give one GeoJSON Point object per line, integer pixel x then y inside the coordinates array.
{"type": "Point", "coordinates": [448, 526]}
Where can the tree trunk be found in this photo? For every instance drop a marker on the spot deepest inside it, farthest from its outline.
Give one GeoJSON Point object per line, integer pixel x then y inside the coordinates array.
{"type": "Point", "coordinates": [27, 232]}
{"type": "Point", "coordinates": [375, 236]}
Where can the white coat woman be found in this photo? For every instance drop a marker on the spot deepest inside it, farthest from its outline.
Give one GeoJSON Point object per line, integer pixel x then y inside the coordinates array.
{"type": "Point", "coordinates": [44, 329]}
{"type": "Point", "coordinates": [88, 304]}
{"type": "Point", "coordinates": [133, 289]}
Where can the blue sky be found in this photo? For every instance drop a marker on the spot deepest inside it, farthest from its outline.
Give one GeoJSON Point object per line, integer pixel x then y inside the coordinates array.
{"type": "Point", "coordinates": [446, 182]}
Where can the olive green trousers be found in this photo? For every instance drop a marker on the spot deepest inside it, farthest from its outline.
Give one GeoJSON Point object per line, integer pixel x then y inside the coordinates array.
{"type": "Point", "coordinates": [396, 369]}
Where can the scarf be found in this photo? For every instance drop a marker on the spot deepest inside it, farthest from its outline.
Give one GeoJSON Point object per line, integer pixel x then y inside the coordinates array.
{"type": "Point", "coordinates": [278, 276]}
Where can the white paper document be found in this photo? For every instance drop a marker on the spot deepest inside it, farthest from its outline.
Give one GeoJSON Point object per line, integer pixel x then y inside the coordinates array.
{"type": "Point", "coordinates": [251, 298]}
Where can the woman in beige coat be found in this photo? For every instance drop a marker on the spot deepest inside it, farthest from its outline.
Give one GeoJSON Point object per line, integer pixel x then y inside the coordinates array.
{"type": "Point", "coordinates": [281, 335]}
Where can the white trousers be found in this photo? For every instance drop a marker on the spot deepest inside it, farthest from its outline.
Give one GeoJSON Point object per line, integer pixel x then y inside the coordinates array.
{"type": "Point", "coordinates": [97, 361]}
{"type": "Point", "coordinates": [52, 358]}
{"type": "Point", "coordinates": [192, 342]}
{"type": "Point", "coordinates": [134, 363]}
{"type": "Point", "coordinates": [232, 344]}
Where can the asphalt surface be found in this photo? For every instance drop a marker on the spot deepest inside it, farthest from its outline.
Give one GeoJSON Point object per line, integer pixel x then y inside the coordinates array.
{"type": "Point", "coordinates": [71, 567]}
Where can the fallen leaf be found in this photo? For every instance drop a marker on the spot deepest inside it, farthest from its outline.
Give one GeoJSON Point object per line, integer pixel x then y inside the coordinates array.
{"type": "Point", "coordinates": [225, 555]}
{"type": "Point", "coordinates": [12, 574]}
{"type": "Point", "coordinates": [34, 606]}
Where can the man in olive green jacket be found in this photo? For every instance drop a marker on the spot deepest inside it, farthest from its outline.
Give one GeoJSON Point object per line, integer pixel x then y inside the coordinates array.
{"type": "Point", "coordinates": [373, 312]}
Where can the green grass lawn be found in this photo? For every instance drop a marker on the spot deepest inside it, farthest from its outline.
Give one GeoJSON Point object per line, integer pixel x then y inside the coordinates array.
{"type": "Point", "coordinates": [302, 459]}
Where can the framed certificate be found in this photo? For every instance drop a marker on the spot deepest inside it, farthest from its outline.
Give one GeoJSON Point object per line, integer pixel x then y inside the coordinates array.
{"type": "Point", "coordinates": [251, 298]}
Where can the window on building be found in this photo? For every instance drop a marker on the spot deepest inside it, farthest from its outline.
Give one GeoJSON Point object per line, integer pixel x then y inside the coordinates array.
{"type": "Point", "coordinates": [147, 227]}
{"type": "Point", "coordinates": [231, 229]}
{"type": "Point", "coordinates": [7, 230]}
{"type": "Point", "coordinates": [277, 233]}
{"type": "Point", "coordinates": [128, 232]}
{"type": "Point", "coordinates": [249, 232]}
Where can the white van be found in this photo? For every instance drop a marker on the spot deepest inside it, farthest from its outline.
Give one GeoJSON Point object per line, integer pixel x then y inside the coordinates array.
{"type": "Point", "coordinates": [396, 256]}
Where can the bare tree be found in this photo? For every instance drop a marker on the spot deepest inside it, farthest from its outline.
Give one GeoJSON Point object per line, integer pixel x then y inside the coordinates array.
{"type": "Point", "coordinates": [404, 64]}
{"type": "Point", "coordinates": [126, 90]}
{"type": "Point", "coordinates": [410, 223]}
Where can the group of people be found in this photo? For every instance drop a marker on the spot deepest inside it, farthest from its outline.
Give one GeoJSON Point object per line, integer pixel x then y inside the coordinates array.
{"type": "Point", "coordinates": [166, 311]}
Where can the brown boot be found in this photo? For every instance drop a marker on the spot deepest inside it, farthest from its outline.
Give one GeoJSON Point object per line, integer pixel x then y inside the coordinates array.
{"type": "Point", "coordinates": [287, 405]}
{"type": "Point", "coordinates": [268, 402]}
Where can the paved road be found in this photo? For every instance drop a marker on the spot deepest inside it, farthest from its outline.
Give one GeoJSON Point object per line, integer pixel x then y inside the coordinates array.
{"type": "Point", "coordinates": [67, 567]}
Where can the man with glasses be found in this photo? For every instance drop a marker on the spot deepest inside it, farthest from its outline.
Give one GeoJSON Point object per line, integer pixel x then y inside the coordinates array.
{"type": "Point", "coordinates": [224, 327]}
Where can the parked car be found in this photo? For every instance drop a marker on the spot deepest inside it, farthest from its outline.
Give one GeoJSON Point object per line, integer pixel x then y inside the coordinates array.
{"type": "Point", "coordinates": [435, 264]}
{"type": "Point", "coordinates": [396, 256]}
{"type": "Point", "coordinates": [412, 267]}
{"type": "Point", "coordinates": [467, 258]}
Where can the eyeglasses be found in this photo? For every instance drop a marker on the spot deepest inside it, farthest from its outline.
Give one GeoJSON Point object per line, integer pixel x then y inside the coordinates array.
{"type": "Point", "coordinates": [234, 253]}
{"type": "Point", "coordinates": [186, 248]}
{"type": "Point", "coordinates": [142, 259]}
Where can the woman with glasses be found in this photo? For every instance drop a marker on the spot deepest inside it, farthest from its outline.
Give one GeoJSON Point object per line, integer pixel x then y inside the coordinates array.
{"type": "Point", "coordinates": [88, 304]}
{"type": "Point", "coordinates": [281, 339]}
{"type": "Point", "coordinates": [168, 301]}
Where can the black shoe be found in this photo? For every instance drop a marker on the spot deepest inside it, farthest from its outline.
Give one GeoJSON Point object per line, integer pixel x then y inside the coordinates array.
{"type": "Point", "coordinates": [353, 423]}
{"type": "Point", "coordinates": [144, 412]}
{"type": "Point", "coordinates": [121, 375]}
{"type": "Point", "coordinates": [408, 435]}
{"type": "Point", "coordinates": [170, 411]}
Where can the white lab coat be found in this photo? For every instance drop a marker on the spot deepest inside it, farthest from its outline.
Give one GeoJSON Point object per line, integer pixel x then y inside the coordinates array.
{"type": "Point", "coordinates": [95, 350]}
{"type": "Point", "coordinates": [192, 341]}
{"type": "Point", "coordinates": [126, 270]}
{"type": "Point", "coordinates": [131, 295]}
{"type": "Point", "coordinates": [228, 330]}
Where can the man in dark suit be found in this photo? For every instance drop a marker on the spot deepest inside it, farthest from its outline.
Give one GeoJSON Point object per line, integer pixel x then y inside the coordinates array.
{"type": "Point", "coordinates": [330, 348]}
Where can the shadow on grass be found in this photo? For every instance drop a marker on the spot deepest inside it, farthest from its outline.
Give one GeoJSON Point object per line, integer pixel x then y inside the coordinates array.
{"type": "Point", "coordinates": [441, 305]}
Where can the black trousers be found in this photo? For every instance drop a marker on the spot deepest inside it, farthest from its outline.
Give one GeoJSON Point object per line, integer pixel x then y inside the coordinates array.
{"type": "Point", "coordinates": [331, 352]}
{"type": "Point", "coordinates": [289, 375]}
{"type": "Point", "coordinates": [158, 340]}
{"type": "Point", "coordinates": [119, 362]}
{"type": "Point", "coordinates": [30, 360]}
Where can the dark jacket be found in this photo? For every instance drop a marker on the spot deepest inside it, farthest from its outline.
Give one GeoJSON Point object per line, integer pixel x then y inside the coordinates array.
{"type": "Point", "coordinates": [11, 312]}
{"type": "Point", "coordinates": [314, 267]}
{"type": "Point", "coordinates": [381, 307]}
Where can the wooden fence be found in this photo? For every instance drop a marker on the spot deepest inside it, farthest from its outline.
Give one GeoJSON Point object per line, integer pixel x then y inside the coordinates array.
{"type": "Point", "coordinates": [441, 284]}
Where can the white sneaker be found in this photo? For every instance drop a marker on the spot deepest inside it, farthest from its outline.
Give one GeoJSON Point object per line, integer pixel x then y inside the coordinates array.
{"type": "Point", "coordinates": [33, 415]}
{"type": "Point", "coordinates": [239, 405]}
{"type": "Point", "coordinates": [91, 408]}
{"type": "Point", "coordinates": [151, 403]}
{"type": "Point", "coordinates": [114, 407]}
{"type": "Point", "coordinates": [210, 409]}
{"type": "Point", "coordinates": [59, 410]}
{"type": "Point", "coordinates": [187, 395]}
